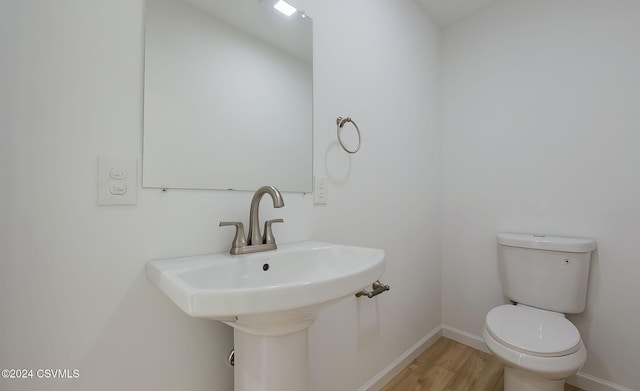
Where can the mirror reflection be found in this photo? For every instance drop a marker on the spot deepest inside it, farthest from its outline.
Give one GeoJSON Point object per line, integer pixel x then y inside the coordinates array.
{"type": "Point", "coordinates": [227, 98]}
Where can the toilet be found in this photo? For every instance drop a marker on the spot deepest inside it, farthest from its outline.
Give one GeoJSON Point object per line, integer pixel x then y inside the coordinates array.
{"type": "Point", "coordinates": [545, 277]}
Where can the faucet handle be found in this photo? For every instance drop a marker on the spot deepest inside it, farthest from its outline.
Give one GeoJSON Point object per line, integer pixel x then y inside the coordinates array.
{"type": "Point", "coordinates": [239, 241]}
{"type": "Point", "coordinates": [267, 237]}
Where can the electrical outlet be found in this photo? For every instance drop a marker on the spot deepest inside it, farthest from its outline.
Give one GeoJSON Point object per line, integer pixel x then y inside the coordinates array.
{"type": "Point", "coordinates": [320, 190]}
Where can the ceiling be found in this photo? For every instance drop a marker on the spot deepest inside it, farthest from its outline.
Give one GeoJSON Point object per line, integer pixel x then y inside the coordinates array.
{"type": "Point", "coordinates": [448, 12]}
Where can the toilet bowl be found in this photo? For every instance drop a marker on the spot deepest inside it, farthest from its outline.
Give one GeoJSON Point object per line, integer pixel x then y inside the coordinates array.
{"type": "Point", "coordinates": [538, 348]}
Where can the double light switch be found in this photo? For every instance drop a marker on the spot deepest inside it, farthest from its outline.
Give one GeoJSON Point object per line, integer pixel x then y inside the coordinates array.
{"type": "Point", "coordinates": [117, 181]}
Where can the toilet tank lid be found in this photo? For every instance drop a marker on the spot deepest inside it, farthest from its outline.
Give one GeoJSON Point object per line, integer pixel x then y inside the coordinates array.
{"type": "Point", "coordinates": [544, 242]}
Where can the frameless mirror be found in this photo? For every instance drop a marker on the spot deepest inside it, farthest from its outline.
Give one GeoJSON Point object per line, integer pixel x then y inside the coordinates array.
{"type": "Point", "coordinates": [227, 96]}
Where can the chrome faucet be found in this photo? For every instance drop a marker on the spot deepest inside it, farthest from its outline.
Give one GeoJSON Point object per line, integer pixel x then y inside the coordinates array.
{"type": "Point", "coordinates": [255, 241]}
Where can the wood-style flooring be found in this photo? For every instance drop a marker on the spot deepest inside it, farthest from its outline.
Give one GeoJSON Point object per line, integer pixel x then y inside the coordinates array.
{"type": "Point", "coordinates": [451, 366]}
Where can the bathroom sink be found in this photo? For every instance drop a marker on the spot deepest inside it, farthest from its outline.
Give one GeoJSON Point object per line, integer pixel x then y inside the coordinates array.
{"type": "Point", "coordinates": [267, 293]}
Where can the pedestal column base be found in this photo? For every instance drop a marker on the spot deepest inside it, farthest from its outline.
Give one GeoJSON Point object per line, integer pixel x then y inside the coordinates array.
{"type": "Point", "coordinates": [271, 363]}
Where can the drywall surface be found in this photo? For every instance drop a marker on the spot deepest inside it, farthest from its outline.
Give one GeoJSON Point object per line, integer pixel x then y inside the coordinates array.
{"type": "Point", "coordinates": [540, 134]}
{"type": "Point", "coordinates": [378, 63]}
{"type": "Point", "coordinates": [73, 292]}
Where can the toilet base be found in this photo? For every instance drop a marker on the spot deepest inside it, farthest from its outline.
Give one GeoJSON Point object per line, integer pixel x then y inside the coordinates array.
{"type": "Point", "coordinates": [519, 380]}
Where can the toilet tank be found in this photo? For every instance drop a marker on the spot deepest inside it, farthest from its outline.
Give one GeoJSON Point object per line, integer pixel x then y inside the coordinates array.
{"type": "Point", "coordinates": [547, 272]}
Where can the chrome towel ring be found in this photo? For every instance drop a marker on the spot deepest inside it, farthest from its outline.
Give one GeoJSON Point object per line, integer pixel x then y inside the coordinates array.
{"type": "Point", "coordinates": [340, 122]}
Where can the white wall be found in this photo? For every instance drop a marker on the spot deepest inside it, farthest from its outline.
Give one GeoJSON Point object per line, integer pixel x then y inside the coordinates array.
{"type": "Point", "coordinates": [377, 62]}
{"type": "Point", "coordinates": [73, 293]}
{"type": "Point", "coordinates": [541, 134]}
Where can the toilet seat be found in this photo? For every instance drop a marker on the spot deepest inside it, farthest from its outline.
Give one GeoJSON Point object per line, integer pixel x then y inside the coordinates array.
{"type": "Point", "coordinates": [532, 331]}
{"type": "Point", "coordinates": [552, 368]}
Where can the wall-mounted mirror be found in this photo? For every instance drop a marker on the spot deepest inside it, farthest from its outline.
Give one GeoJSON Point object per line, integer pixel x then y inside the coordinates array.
{"type": "Point", "coordinates": [227, 96]}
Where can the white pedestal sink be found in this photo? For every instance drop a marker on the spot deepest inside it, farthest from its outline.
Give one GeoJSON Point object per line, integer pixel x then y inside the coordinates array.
{"type": "Point", "coordinates": [270, 299]}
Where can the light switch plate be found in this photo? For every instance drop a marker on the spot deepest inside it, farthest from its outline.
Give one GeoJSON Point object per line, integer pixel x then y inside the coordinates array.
{"type": "Point", "coordinates": [117, 181]}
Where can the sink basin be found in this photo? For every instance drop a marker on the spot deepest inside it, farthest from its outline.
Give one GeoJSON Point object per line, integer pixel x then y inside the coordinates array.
{"type": "Point", "coordinates": [269, 293]}
{"type": "Point", "coordinates": [270, 299]}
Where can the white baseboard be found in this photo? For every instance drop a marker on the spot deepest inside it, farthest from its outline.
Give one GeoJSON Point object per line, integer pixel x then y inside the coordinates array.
{"type": "Point", "coordinates": [397, 365]}
{"type": "Point", "coordinates": [580, 380]}
{"type": "Point", "coordinates": [465, 338]}
{"type": "Point", "coordinates": [592, 383]}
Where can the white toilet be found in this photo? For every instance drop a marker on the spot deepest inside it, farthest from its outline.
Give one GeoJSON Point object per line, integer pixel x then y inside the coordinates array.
{"type": "Point", "coordinates": [545, 277]}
